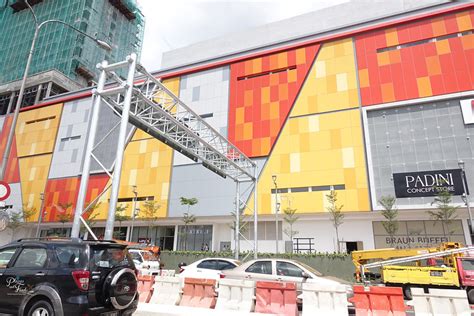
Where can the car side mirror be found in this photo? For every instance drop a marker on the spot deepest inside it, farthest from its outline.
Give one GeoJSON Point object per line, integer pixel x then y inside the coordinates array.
{"type": "Point", "coordinates": [305, 275]}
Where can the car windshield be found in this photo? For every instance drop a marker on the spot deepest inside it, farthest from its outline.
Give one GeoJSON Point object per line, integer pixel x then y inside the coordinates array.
{"type": "Point", "coordinates": [468, 264]}
{"type": "Point", "coordinates": [110, 257]}
{"type": "Point", "coordinates": [310, 269]}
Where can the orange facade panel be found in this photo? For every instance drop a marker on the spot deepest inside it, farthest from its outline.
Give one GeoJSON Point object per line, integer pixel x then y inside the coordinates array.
{"type": "Point", "coordinates": [262, 92]}
{"type": "Point", "coordinates": [61, 196]}
{"type": "Point", "coordinates": [418, 59]}
{"type": "Point", "coordinates": [12, 173]}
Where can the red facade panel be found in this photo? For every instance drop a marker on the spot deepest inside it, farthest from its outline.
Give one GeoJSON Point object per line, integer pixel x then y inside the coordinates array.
{"type": "Point", "coordinates": [417, 60]}
{"type": "Point", "coordinates": [12, 172]}
{"type": "Point", "coordinates": [262, 92]}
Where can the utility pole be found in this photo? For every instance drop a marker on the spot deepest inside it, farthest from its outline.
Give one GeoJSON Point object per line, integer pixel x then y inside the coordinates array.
{"type": "Point", "coordinates": [277, 207]}
{"type": "Point", "coordinates": [40, 216]}
{"type": "Point", "coordinates": [134, 210]}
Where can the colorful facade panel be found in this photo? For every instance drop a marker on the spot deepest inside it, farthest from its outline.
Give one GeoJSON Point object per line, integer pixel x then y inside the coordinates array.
{"type": "Point", "coordinates": [71, 139]}
{"type": "Point", "coordinates": [262, 92]}
{"type": "Point", "coordinates": [34, 175]}
{"type": "Point", "coordinates": [207, 94]}
{"type": "Point", "coordinates": [419, 59]}
{"type": "Point", "coordinates": [61, 192]}
{"type": "Point", "coordinates": [312, 154]}
{"type": "Point", "coordinates": [12, 173]}
{"type": "Point", "coordinates": [331, 84]}
{"type": "Point", "coordinates": [36, 130]}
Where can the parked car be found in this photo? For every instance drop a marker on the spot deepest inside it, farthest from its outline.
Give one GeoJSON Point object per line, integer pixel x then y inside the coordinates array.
{"type": "Point", "coordinates": [67, 277]}
{"type": "Point", "coordinates": [208, 268]}
{"type": "Point", "coordinates": [281, 270]}
{"type": "Point", "coordinates": [144, 259]}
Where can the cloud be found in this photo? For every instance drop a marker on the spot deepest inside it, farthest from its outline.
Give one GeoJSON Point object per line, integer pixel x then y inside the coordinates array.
{"type": "Point", "coordinates": [174, 24]}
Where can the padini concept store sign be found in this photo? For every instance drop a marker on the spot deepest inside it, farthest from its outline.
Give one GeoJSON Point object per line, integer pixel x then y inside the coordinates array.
{"type": "Point", "coordinates": [423, 233]}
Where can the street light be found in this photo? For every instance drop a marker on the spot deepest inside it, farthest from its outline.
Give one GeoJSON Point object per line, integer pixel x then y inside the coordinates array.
{"type": "Point", "coordinates": [40, 216]}
{"type": "Point", "coordinates": [277, 207]}
{"type": "Point", "coordinates": [38, 27]}
{"type": "Point", "coordinates": [134, 209]}
{"type": "Point", "coordinates": [465, 195]}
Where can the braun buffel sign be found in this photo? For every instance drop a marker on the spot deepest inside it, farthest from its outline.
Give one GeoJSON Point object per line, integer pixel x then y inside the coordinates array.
{"type": "Point", "coordinates": [428, 183]}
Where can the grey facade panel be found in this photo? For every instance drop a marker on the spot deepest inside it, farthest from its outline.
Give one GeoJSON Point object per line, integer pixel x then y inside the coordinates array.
{"type": "Point", "coordinates": [107, 150]}
{"type": "Point", "coordinates": [422, 137]}
{"type": "Point", "coordinates": [216, 195]}
{"type": "Point", "coordinates": [303, 26]}
{"type": "Point", "coordinates": [71, 140]}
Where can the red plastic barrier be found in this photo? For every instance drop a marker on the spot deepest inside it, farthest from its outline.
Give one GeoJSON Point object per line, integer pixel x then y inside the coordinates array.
{"type": "Point", "coordinates": [199, 293]}
{"type": "Point", "coordinates": [145, 287]}
{"type": "Point", "coordinates": [276, 298]}
{"type": "Point", "coordinates": [378, 301]}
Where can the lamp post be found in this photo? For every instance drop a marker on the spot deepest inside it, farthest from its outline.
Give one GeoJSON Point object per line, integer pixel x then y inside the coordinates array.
{"type": "Point", "coordinates": [38, 27]}
{"type": "Point", "coordinates": [277, 207]}
{"type": "Point", "coordinates": [40, 216]}
{"type": "Point", "coordinates": [465, 195]}
{"type": "Point", "coordinates": [134, 210]}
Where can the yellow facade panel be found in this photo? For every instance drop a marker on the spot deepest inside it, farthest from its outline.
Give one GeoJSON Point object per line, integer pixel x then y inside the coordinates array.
{"type": "Point", "coordinates": [37, 129]}
{"type": "Point", "coordinates": [35, 170]}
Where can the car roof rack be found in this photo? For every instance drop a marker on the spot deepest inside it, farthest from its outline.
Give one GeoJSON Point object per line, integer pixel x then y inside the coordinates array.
{"type": "Point", "coordinates": [53, 238]}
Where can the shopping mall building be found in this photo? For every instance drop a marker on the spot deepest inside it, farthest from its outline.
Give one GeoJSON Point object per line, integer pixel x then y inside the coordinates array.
{"type": "Point", "coordinates": [366, 100]}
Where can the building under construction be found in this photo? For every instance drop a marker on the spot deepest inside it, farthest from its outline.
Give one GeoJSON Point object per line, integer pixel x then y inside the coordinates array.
{"type": "Point", "coordinates": [63, 60]}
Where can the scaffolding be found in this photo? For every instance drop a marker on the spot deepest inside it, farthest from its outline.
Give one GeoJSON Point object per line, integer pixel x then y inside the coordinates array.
{"type": "Point", "coordinates": [118, 22]}
{"type": "Point", "coordinates": [147, 104]}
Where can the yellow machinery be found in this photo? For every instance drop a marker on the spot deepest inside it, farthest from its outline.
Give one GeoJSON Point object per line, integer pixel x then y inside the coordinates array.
{"type": "Point", "coordinates": [445, 266]}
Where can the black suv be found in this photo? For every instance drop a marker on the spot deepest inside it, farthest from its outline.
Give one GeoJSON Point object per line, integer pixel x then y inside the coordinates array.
{"type": "Point", "coordinates": [67, 277]}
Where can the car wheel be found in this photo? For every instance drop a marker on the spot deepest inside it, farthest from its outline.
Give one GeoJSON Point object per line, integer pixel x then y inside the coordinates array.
{"type": "Point", "coordinates": [120, 287]}
{"type": "Point", "coordinates": [470, 296]}
{"type": "Point", "coordinates": [407, 292]}
{"type": "Point", "coordinates": [41, 308]}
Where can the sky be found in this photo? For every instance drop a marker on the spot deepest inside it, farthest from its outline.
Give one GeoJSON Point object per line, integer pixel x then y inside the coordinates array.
{"type": "Point", "coordinates": [175, 24]}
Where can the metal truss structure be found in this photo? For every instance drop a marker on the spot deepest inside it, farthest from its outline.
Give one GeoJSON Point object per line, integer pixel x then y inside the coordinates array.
{"type": "Point", "coordinates": [147, 104]}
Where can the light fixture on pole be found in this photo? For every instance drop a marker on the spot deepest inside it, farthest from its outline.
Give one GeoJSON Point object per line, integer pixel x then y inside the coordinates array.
{"type": "Point", "coordinates": [134, 210]}
{"type": "Point", "coordinates": [40, 215]}
{"type": "Point", "coordinates": [38, 27]}
{"type": "Point", "coordinates": [465, 195]}
{"type": "Point", "coordinates": [277, 206]}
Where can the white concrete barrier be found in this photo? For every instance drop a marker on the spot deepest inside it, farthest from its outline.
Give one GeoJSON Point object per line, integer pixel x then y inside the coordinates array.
{"type": "Point", "coordinates": [167, 272]}
{"type": "Point", "coordinates": [237, 295]}
{"type": "Point", "coordinates": [169, 310]}
{"type": "Point", "coordinates": [440, 302]}
{"type": "Point", "coordinates": [327, 299]}
{"type": "Point", "coordinates": [167, 290]}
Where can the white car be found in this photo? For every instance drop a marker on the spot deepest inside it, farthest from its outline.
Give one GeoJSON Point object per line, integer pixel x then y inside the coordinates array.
{"type": "Point", "coordinates": [208, 268]}
{"type": "Point", "coordinates": [283, 270]}
{"type": "Point", "coordinates": [144, 259]}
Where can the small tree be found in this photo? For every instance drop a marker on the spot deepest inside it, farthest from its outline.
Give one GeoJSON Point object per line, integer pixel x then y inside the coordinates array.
{"type": "Point", "coordinates": [149, 212]}
{"type": "Point", "coordinates": [337, 217]}
{"type": "Point", "coordinates": [445, 213]}
{"type": "Point", "coordinates": [390, 212]}
{"type": "Point", "coordinates": [188, 218]}
{"type": "Point", "coordinates": [120, 217]}
{"type": "Point", "coordinates": [290, 219]}
{"type": "Point", "coordinates": [64, 216]}
{"type": "Point", "coordinates": [18, 219]}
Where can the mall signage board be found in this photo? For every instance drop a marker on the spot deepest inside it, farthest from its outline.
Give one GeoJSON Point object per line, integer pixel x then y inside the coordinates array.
{"type": "Point", "coordinates": [428, 183]}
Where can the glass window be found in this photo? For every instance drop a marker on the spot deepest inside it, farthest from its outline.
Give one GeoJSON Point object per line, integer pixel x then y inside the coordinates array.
{"type": "Point", "coordinates": [208, 264]}
{"type": "Point", "coordinates": [5, 256]}
{"type": "Point", "coordinates": [110, 257]}
{"type": "Point", "coordinates": [71, 256]}
{"type": "Point", "coordinates": [31, 258]}
{"type": "Point", "coordinates": [288, 269]}
{"type": "Point", "coordinates": [262, 267]}
{"type": "Point", "coordinates": [136, 256]}
{"type": "Point", "coordinates": [224, 265]}
{"type": "Point", "coordinates": [468, 264]}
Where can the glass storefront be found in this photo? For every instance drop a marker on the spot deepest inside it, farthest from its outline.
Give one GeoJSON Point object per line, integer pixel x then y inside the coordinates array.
{"type": "Point", "coordinates": [195, 237]}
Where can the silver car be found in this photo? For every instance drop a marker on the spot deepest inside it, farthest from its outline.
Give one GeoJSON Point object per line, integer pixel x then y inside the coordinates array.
{"type": "Point", "coordinates": [283, 270]}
